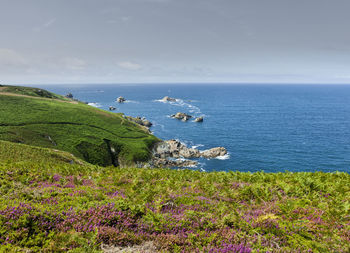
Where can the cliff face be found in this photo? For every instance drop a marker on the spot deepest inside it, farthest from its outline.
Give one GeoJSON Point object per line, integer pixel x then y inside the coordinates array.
{"type": "Point", "coordinates": [40, 118]}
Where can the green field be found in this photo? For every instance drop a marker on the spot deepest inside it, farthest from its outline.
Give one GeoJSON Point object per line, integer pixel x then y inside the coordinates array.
{"type": "Point", "coordinates": [48, 204]}
{"type": "Point", "coordinates": [51, 121]}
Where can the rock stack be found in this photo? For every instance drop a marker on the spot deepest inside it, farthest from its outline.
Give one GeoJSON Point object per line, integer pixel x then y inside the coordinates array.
{"type": "Point", "coordinates": [121, 100]}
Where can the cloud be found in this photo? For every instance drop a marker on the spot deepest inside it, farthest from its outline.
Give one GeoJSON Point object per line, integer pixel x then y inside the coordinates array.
{"type": "Point", "coordinates": [157, 1]}
{"type": "Point", "coordinates": [343, 76]}
{"type": "Point", "coordinates": [49, 23]}
{"type": "Point", "coordinates": [45, 25]}
{"type": "Point", "coordinates": [73, 63]}
{"type": "Point", "coordinates": [9, 57]}
{"type": "Point", "coordinates": [125, 19]}
{"type": "Point", "coordinates": [129, 65]}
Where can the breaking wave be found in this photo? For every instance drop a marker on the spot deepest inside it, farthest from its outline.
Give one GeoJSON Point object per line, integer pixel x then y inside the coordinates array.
{"type": "Point", "coordinates": [223, 157]}
{"type": "Point", "coordinates": [183, 103]}
{"type": "Point", "coordinates": [98, 105]}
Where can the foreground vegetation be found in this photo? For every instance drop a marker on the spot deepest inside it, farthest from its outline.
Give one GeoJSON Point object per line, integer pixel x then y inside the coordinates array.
{"type": "Point", "coordinates": [57, 206]}
{"type": "Point", "coordinates": [53, 199]}
{"type": "Point", "coordinates": [41, 118]}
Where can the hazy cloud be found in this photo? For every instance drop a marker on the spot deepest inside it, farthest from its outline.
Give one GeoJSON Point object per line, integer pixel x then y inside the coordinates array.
{"type": "Point", "coordinates": [49, 23]}
{"type": "Point", "coordinates": [180, 40]}
{"type": "Point", "coordinates": [73, 63]}
{"type": "Point", "coordinates": [155, 1]}
{"type": "Point", "coordinates": [9, 57]}
{"type": "Point", "coordinates": [125, 18]}
{"type": "Point", "coordinates": [46, 25]}
{"type": "Point", "coordinates": [129, 65]}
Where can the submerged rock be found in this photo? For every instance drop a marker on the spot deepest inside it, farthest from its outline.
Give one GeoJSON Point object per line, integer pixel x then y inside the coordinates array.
{"type": "Point", "coordinates": [168, 99]}
{"type": "Point", "coordinates": [121, 100]}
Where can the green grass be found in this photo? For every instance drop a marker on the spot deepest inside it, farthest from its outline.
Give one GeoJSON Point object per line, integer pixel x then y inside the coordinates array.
{"type": "Point", "coordinates": [76, 208]}
{"type": "Point", "coordinates": [20, 153]}
{"type": "Point", "coordinates": [88, 133]}
{"type": "Point", "coordinates": [29, 91]}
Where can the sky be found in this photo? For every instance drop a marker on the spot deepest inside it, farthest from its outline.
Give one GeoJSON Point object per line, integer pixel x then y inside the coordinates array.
{"type": "Point", "coordinates": [174, 41]}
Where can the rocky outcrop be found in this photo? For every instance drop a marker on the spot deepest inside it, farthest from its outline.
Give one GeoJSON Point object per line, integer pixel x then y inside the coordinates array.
{"type": "Point", "coordinates": [168, 99]}
{"type": "Point", "coordinates": [185, 117]}
{"type": "Point", "coordinates": [174, 152]}
{"type": "Point", "coordinates": [121, 100]}
{"type": "Point", "coordinates": [175, 149]}
{"type": "Point", "coordinates": [147, 123]}
{"type": "Point", "coordinates": [199, 119]}
{"type": "Point", "coordinates": [112, 108]}
{"type": "Point", "coordinates": [181, 116]}
{"type": "Point", "coordinates": [214, 152]}
{"type": "Point", "coordinates": [173, 163]}
{"type": "Point", "coordinates": [141, 121]}
{"type": "Point", "coordinates": [69, 95]}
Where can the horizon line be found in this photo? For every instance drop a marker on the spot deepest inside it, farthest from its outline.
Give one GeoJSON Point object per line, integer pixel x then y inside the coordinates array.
{"type": "Point", "coordinates": [177, 83]}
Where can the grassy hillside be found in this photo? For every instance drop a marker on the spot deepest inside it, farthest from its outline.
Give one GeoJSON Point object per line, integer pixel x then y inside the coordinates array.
{"type": "Point", "coordinates": [82, 208]}
{"type": "Point", "coordinates": [29, 91]}
{"type": "Point", "coordinates": [18, 153]}
{"type": "Point", "coordinates": [41, 118]}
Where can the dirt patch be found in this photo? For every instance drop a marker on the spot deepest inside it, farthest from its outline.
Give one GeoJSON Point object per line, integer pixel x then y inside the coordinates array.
{"type": "Point", "coordinates": [147, 247]}
{"type": "Point", "coordinates": [2, 88]}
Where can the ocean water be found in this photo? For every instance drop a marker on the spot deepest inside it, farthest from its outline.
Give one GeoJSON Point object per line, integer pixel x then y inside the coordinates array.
{"type": "Point", "coordinates": [263, 127]}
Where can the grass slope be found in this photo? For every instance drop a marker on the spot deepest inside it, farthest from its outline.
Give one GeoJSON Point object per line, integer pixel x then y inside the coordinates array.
{"type": "Point", "coordinates": [51, 121]}
{"type": "Point", "coordinates": [18, 153]}
{"type": "Point", "coordinates": [79, 208]}
{"type": "Point", "coordinates": [30, 91]}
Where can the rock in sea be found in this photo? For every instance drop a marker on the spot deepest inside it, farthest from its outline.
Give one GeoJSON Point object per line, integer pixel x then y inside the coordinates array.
{"type": "Point", "coordinates": [214, 152]}
{"type": "Point", "coordinates": [182, 116]}
{"type": "Point", "coordinates": [168, 99]}
{"type": "Point", "coordinates": [199, 119]}
{"type": "Point", "coordinates": [121, 100]}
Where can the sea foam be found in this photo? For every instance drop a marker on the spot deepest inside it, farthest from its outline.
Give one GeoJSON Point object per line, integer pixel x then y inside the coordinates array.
{"type": "Point", "coordinates": [223, 157]}
{"type": "Point", "coordinates": [98, 105]}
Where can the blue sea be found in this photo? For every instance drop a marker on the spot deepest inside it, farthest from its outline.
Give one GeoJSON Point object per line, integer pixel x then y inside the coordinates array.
{"type": "Point", "coordinates": [264, 127]}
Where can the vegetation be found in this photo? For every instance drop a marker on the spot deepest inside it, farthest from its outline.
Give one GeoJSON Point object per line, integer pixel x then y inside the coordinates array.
{"type": "Point", "coordinates": [59, 206]}
{"type": "Point", "coordinates": [29, 91]}
{"type": "Point", "coordinates": [18, 153]}
{"type": "Point", "coordinates": [51, 121]}
{"type": "Point", "coordinates": [52, 201]}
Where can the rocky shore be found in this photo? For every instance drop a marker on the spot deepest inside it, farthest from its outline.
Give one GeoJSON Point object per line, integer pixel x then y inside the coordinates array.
{"type": "Point", "coordinates": [173, 153]}
{"type": "Point", "coordinates": [141, 121]}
